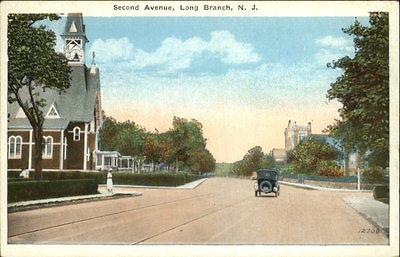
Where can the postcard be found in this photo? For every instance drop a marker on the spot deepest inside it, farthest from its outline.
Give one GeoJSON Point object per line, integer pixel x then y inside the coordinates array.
{"type": "Point", "coordinates": [199, 128]}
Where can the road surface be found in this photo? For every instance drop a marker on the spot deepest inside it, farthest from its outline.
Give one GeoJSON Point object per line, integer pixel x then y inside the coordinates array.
{"type": "Point", "coordinates": [219, 211]}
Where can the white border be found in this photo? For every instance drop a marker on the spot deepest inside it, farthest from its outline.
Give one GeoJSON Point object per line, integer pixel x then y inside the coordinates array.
{"type": "Point", "coordinates": [285, 8]}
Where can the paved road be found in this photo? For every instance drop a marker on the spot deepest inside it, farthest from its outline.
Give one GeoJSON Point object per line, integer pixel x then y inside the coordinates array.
{"type": "Point", "coordinates": [219, 211]}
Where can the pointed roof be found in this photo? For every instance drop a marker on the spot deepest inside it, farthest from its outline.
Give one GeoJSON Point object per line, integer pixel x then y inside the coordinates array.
{"type": "Point", "coordinates": [74, 26]}
{"type": "Point", "coordinates": [76, 104]}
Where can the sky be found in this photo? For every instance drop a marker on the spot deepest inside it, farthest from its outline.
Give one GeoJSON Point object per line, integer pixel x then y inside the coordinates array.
{"type": "Point", "coordinates": [243, 78]}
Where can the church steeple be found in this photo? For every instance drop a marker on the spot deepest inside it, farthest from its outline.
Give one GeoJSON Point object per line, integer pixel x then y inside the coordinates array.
{"type": "Point", "coordinates": [74, 37]}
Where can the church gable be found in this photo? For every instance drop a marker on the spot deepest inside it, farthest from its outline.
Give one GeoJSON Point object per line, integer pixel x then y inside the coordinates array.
{"type": "Point", "coordinates": [20, 113]}
{"type": "Point", "coordinates": [52, 113]}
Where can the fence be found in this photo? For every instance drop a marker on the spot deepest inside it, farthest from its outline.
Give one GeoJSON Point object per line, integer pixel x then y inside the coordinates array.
{"type": "Point", "coordinates": [348, 182]}
{"type": "Point", "coordinates": [302, 177]}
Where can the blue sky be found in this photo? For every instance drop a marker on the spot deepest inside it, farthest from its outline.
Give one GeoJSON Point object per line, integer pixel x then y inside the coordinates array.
{"type": "Point", "coordinates": [242, 77]}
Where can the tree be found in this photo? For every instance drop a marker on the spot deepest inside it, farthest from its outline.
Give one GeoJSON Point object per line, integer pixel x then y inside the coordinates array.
{"type": "Point", "coordinates": [363, 89]}
{"type": "Point", "coordinates": [252, 161]}
{"type": "Point", "coordinates": [108, 133]}
{"type": "Point", "coordinates": [152, 148]}
{"type": "Point", "coordinates": [310, 153]}
{"type": "Point", "coordinates": [166, 147]}
{"type": "Point", "coordinates": [187, 137]}
{"type": "Point", "coordinates": [126, 137]}
{"type": "Point", "coordinates": [34, 66]}
{"type": "Point", "coordinates": [268, 162]}
{"type": "Point", "coordinates": [201, 161]}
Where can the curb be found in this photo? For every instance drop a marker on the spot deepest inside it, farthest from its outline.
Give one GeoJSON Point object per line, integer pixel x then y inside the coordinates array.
{"type": "Point", "coordinates": [368, 218]}
{"type": "Point", "coordinates": [323, 188]}
{"type": "Point", "coordinates": [27, 205]}
{"type": "Point", "coordinates": [185, 186]}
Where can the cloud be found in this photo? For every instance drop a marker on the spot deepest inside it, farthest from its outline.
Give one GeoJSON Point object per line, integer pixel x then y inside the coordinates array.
{"type": "Point", "coordinates": [324, 56]}
{"type": "Point", "coordinates": [333, 48]}
{"type": "Point", "coordinates": [112, 49]}
{"type": "Point", "coordinates": [335, 42]}
{"type": "Point", "coordinates": [175, 54]}
{"type": "Point", "coordinates": [232, 52]}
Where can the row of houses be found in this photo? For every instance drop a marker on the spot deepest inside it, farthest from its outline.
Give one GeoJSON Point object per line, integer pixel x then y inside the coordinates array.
{"type": "Point", "coordinates": [294, 133]}
{"type": "Point", "coordinates": [106, 160]}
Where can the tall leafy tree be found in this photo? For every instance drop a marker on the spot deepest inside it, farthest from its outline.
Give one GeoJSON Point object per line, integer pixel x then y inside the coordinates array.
{"type": "Point", "coordinates": [152, 148]}
{"type": "Point", "coordinates": [310, 153]}
{"type": "Point", "coordinates": [201, 160]}
{"type": "Point", "coordinates": [187, 137]}
{"type": "Point", "coordinates": [34, 66]}
{"type": "Point", "coordinates": [126, 137]}
{"type": "Point", "coordinates": [363, 89]}
{"type": "Point", "coordinates": [251, 162]}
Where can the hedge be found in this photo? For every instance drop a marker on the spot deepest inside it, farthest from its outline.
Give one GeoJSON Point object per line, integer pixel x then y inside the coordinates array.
{"type": "Point", "coordinates": [381, 193]}
{"type": "Point", "coordinates": [153, 179]}
{"type": "Point", "coordinates": [343, 179]}
{"type": "Point", "coordinates": [124, 178]}
{"type": "Point", "coordinates": [13, 174]}
{"type": "Point", "coordinates": [43, 189]}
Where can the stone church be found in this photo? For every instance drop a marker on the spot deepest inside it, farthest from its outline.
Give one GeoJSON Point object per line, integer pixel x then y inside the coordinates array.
{"type": "Point", "coordinates": [72, 119]}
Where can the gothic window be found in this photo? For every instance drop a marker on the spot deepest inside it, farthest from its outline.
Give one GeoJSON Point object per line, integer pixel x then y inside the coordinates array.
{"type": "Point", "coordinates": [48, 147]}
{"type": "Point", "coordinates": [65, 148]}
{"type": "Point", "coordinates": [14, 147]}
{"type": "Point", "coordinates": [77, 134]}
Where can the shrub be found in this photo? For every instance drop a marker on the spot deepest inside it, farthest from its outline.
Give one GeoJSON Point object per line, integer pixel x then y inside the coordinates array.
{"type": "Point", "coordinates": [33, 189]}
{"type": "Point", "coordinates": [18, 179]}
{"type": "Point", "coordinates": [381, 193]}
{"type": "Point", "coordinates": [374, 175]}
{"type": "Point", "coordinates": [153, 179]}
{"type": "Point", "coordinates": [100, 177]}
{"type": "Point", "coordinates": [122, 178]}
{"type": "Point", "coordinates": [13, 174]}
{"type": "Point", "coordinates": [329, 168]}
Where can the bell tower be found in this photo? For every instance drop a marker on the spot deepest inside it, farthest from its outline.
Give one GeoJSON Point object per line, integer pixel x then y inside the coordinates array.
{"type": "Point", "coordinates": [74, 39]}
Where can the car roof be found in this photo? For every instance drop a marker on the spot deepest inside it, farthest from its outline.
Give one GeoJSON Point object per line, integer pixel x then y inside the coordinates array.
{"type": "Point", "coordinates": [269, 170]}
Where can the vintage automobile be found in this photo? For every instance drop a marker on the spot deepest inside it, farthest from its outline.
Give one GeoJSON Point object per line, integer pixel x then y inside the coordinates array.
{"type": "Point", "coordinates": [267, 181]}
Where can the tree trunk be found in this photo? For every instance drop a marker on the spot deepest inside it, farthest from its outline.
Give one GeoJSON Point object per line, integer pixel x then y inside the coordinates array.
{"type": "Point", "coordinates": [360, 159]}
{"type": "Point", "coordinates": [37, 152]}
{"type": "Point", "coordinates": [346, 164]}
{"type": "Point", "coordinates": [177, 165]}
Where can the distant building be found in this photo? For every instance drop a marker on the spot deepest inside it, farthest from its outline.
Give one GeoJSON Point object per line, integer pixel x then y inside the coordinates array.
{"type": "Point", "coordinates": [294, 133]}
{"type": "Point", "coordinates": [279, 155]}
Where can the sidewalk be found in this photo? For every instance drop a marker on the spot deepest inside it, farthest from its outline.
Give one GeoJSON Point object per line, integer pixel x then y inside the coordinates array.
{"type": "Point", "coordinates": [67, 199]}
{"type": "Point", "coordinates": [322, 188]}
{"type": "Point", "coordinates": [190, 185]}
{"type": "Point", "coordinates": [118, 190]}
{"type": "Point", "coordinates": [374, 211]}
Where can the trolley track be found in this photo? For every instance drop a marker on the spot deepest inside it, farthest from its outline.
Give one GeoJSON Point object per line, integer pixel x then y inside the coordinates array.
{"type": "Point", "coordinates": [209, 195]}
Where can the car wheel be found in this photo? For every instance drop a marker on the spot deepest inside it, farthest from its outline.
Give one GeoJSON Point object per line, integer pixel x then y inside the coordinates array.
{"type": "Point", "coordinates": [266, 186]}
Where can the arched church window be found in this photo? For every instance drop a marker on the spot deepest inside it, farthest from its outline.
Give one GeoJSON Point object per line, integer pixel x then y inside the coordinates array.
{"type": "Point", "coordinates": [48, 147]}
{"type": "Point", "coordinates": [14, 147]}
{"type": "Point", "coordinates": [77, 134]}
